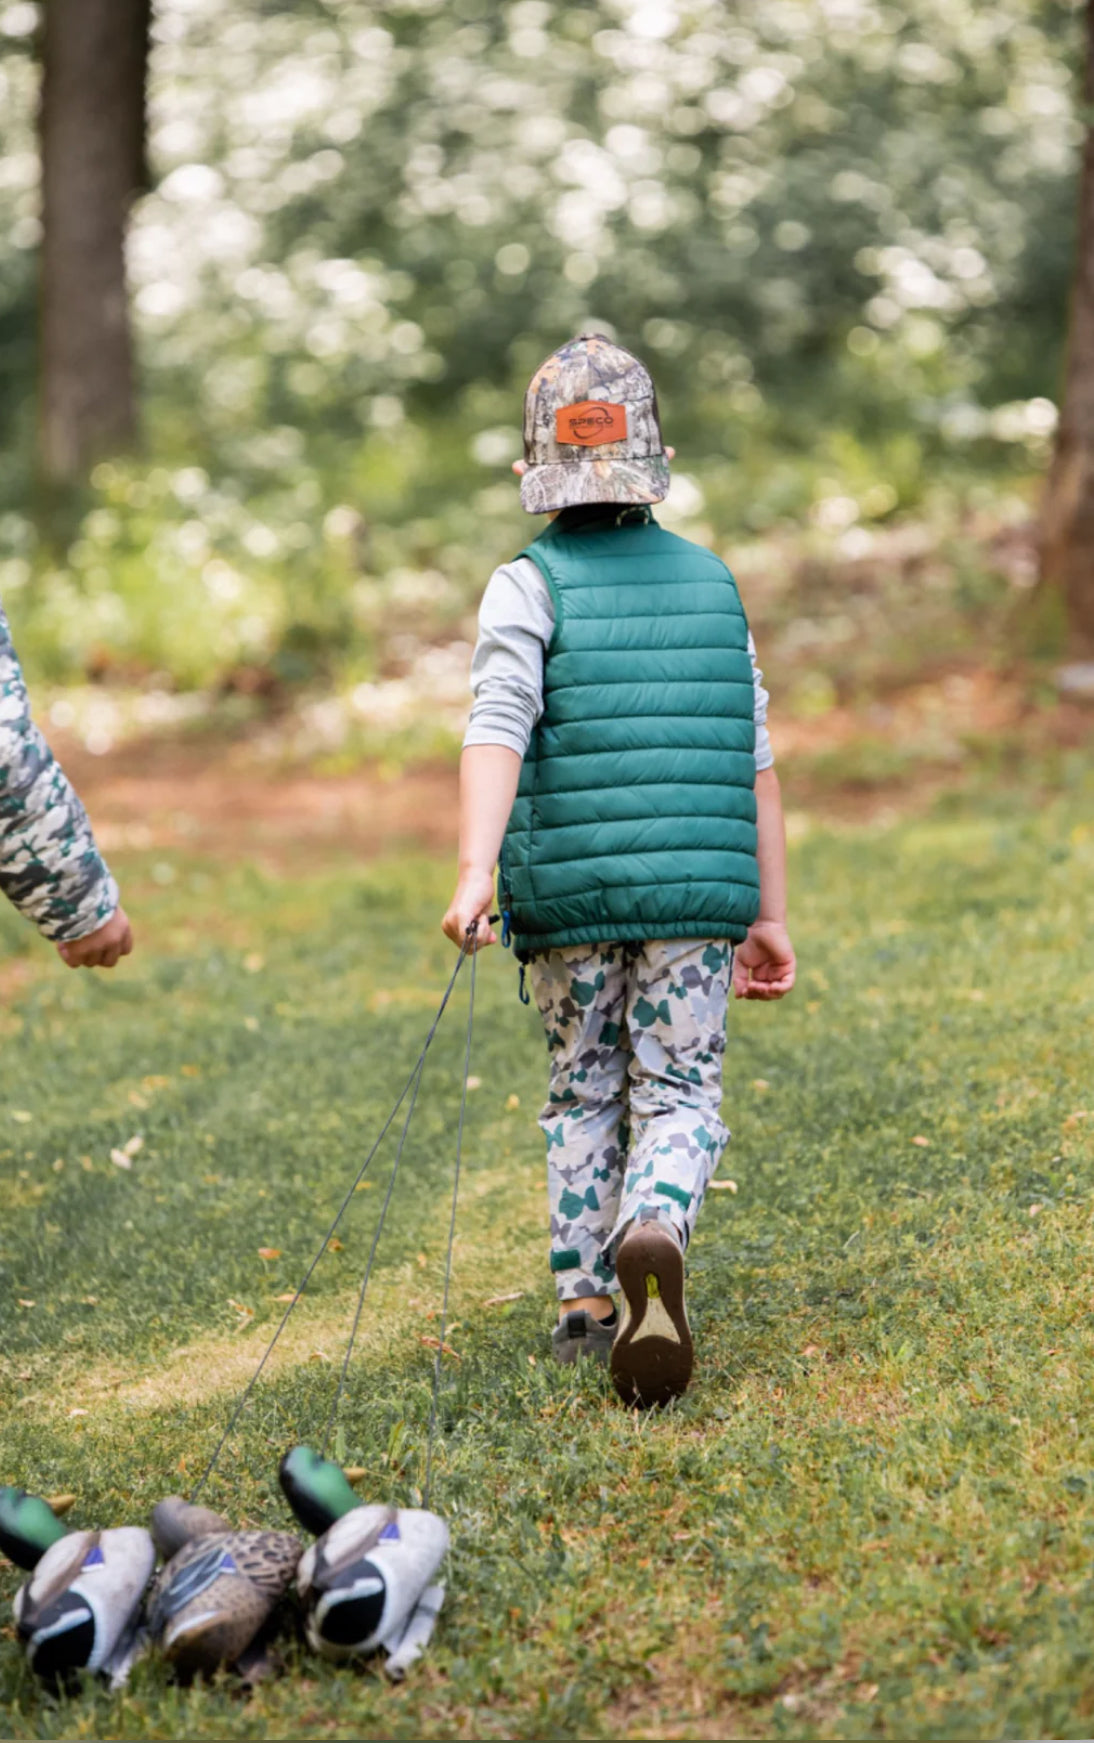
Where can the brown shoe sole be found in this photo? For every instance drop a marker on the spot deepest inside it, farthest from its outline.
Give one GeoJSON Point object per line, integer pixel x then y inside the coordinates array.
{"type": "Point", "coordinates": [653, 1355]}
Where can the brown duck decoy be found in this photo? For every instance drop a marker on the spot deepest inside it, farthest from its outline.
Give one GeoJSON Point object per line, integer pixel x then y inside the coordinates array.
{"type": "Point", "coordinates": [219, 1588]}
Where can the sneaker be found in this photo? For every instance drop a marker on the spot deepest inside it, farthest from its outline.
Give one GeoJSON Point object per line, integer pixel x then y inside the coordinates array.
{"type": "Point", "coordinates": [580, 1333]}
{"type": "Point", "coordinates": [653, 1355]}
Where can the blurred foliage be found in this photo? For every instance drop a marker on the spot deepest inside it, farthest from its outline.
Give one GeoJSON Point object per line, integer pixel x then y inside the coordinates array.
{"type": "Point", "coordinates": [839, 230]}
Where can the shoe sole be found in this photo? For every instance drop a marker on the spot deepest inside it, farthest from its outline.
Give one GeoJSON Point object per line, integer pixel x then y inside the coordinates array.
{"type": "Point", "coordinates": [653, 1354]}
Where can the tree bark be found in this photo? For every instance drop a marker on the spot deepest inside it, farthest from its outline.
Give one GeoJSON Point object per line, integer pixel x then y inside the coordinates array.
{"type": "Point", "coordinates": [92, 136]}
{"type": "Point", "coordinates": [1067, 522]}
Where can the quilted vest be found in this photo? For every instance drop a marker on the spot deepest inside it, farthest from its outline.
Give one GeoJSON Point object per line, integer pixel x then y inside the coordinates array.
{"type": "Point", "coordinates": [635, 815]}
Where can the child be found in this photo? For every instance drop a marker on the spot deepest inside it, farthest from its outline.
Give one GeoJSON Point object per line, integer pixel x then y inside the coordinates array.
{"type": "Point", "coordinates": [617, 759]}
{"type": "Point", "coordinates": [50, 867]}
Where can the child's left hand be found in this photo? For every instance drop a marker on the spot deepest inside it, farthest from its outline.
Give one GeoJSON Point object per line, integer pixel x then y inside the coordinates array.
{"type": "Point", "coordinates": [764, 966]}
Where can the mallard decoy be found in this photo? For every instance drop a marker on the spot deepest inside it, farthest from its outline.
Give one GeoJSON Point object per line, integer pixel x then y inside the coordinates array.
{"type": "Point", "coordinates": [366, 1583]}
{"type": "Point", "coordinates": [317, 1490]}
{"type": "Point", "coordinates": [83, 1599]}
{"type": "Point", "coordinates": [213, 1596]}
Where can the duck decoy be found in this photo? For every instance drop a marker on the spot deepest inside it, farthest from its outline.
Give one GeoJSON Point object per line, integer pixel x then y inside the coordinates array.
{"type": "Point", "coordinates": [368, 1582]}
{"type": "Point", "coordinates": [218, 1588]}
{"type": "Point", "coordinates": [82, 1603]}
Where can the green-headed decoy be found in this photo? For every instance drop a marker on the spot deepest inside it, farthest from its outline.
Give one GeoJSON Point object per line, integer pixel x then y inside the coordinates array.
{"type": "Point", "coordinates": [83, 1598]}
{"type": "Point", "coordinates": [367, 1583]}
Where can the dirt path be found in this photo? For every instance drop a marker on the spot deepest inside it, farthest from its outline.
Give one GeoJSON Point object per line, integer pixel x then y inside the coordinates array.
{"type": "Point", "coordinates": [214, 795]}
{"type": "Point", "coordinates": [160, 793]}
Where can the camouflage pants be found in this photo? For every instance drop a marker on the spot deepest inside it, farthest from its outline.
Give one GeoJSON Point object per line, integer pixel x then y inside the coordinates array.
{"type": "Point", "coordinates": [636, 1034]}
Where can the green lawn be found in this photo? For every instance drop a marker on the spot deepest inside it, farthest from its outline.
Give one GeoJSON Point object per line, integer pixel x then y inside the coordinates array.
{"type": "Point", "coordinates": [873, 1515]}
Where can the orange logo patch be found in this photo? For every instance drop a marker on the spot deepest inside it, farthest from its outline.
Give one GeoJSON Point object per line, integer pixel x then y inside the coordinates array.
{"type": "Point", "coordinates": [591, 422]}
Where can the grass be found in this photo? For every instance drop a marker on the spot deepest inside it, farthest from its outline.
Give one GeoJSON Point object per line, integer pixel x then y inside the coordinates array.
{"type": "Point", "coordinates": [873, 1515]}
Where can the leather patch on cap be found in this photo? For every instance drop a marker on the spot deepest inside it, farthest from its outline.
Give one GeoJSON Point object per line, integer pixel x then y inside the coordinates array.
{"type": "Point", "coordinates": [591, 422]}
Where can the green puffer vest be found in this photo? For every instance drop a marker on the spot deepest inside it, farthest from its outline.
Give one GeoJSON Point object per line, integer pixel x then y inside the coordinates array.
{"type": "Point", "coordinates": [635, 815]}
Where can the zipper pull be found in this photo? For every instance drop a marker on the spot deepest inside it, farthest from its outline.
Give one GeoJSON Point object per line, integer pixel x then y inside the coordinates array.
{"type": "Point", "coordinates": [506, 929]}
{"type": "Point", "coordinates": [525, 997]}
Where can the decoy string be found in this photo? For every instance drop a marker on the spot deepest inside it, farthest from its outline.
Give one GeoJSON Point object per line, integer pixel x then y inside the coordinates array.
{"type": "Point", "coordinates": [431, 1436]}
{"type": "Point", "coordinates": [412, 1082]}
{"type": "Point", "coordinates": [340, 1388]}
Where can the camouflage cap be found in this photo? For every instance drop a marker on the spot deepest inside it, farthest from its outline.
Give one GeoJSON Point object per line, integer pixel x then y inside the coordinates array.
{"type": "Point", "coordinates": [591, 429]}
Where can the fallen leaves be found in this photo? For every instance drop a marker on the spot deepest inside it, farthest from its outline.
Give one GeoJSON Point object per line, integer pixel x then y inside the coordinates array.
{"type": "Point", "coordinates": [923, 1143]}
{"type": "Point", "coordinates": [334, 1245]}
{"type": "Point", "coordinates": [269, 1252]}
{"type": "Point", "coordinates": [512, 1103]}
{"type": "Point", "coordinates": [1073, 1119]}
{"type": "Point", "coordinates": [760, 1084]}
{"type": "Point", "coordinates": [21, 1116]}
{"type": "Point", "coordinates": [246, 1314]}
{"type": "Point", "coordinates": [722, 1186]}
{"type": "Point", "coordinates": [500, 1300]}
{"type": "Point", "coordinates": [434, 1343]}
{"type": "Point", "coordinates": [289, 1295]}
{"type": "Point", "coordinates": [474, 1083]}
{"type": "Point", "coordinates": [78, 1413]}
{"type": "Point", "coordinates": [123, 1158]}
{"type": "Point", "coordinates": [23, 1303]}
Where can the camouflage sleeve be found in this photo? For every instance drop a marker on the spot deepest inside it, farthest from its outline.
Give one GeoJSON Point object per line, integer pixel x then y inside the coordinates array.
{"type": "Point", "coordinates": [50, 867]}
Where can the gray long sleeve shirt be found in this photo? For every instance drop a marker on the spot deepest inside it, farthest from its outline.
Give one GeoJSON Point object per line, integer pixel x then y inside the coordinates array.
{"type": "Point", "coordinates": [516, 622]}
{"type": "Point", "coordinates": [50, 867]}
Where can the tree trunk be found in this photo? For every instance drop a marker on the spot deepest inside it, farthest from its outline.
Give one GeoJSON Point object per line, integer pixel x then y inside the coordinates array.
{"type": "Point", "coordinates": [92, 133]}
{"type": "Point", "coordinates": [1067, 523]}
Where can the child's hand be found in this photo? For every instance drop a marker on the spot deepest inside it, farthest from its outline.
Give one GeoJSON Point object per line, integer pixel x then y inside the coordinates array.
{"type": "Point", "coordinates": [101, 948]}
{"type": "Point", "coordinates": [470, 904]}
{"type": "Point", "coordinates": [764, 965]}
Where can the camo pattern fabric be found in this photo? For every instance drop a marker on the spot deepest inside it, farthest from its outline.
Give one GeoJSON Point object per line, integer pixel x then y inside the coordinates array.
{"type": "Point", "coordinates": [636, 1035]}
{"type": "Point", "coordinates": [563, 475]}
{"type": "Point", "coordinates": [50, 867]}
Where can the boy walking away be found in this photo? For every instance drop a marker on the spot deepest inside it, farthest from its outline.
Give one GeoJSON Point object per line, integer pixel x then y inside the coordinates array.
{"type": "Point", "coordinates": [617, 760]}
{"type": "Point", "coordinates": [50, 867]}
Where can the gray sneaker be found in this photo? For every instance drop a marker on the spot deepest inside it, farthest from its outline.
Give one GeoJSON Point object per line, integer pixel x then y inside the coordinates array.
{"type": "Point", "coordinates": [582, 1334]}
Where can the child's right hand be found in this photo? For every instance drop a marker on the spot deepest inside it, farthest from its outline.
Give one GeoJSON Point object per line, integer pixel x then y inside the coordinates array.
{"type": "Point", "coordinates": [470, 906]}
{"type": "Point", "coordinates": [764, 966]}
{"type": "Point", "coordinates": [101, 948]}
